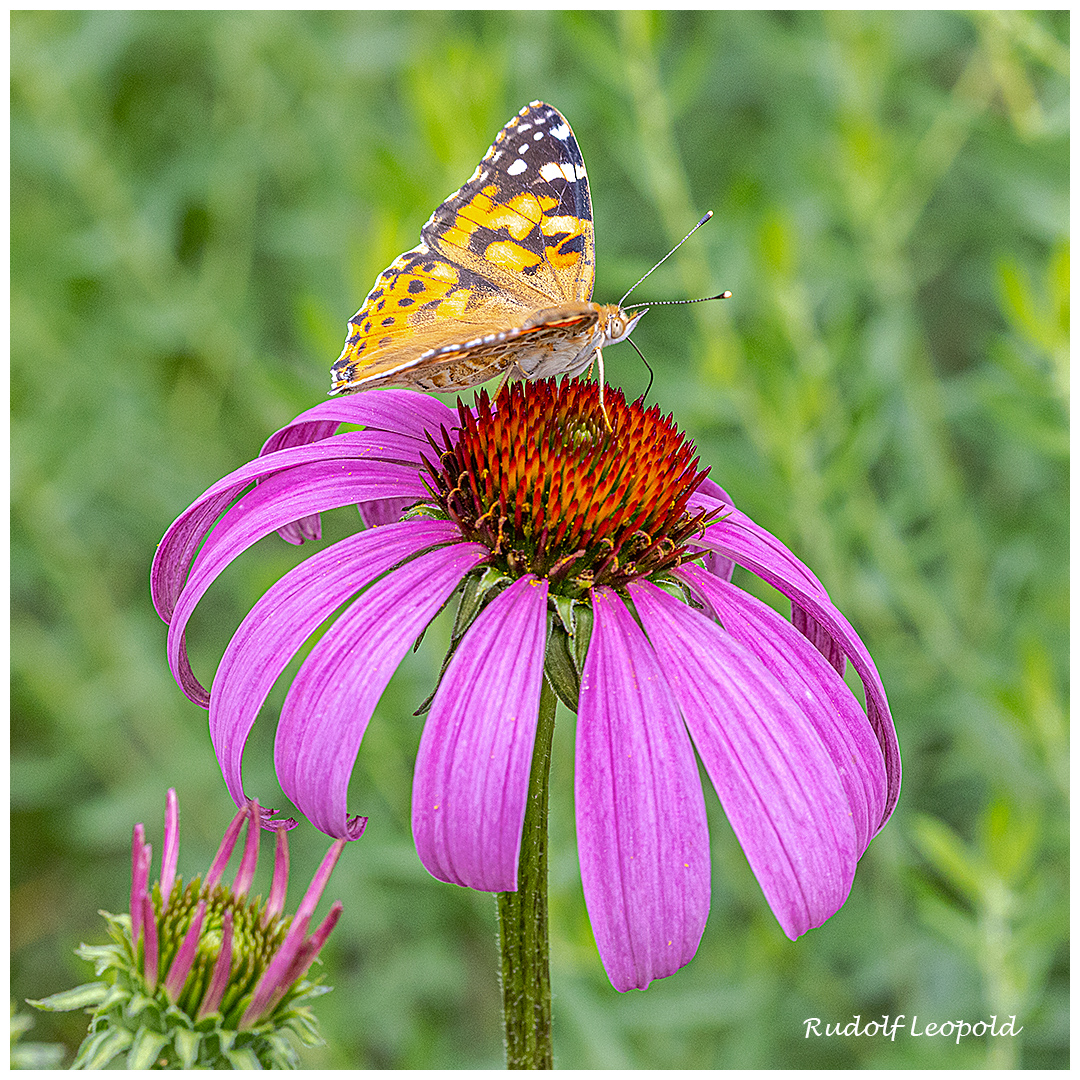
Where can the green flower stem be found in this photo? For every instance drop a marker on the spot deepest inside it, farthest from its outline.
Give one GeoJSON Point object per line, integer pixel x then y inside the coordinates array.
{"type": "Point", "coordinates": [523, 919]}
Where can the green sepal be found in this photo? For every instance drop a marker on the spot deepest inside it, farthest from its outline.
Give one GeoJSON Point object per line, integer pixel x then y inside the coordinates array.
{"type": "Point", "coordinates": [145, 1048]}
{"type": "Point", "coordinates": [246, 1058]}
{"type": "Point", "coordinates": [425, 511]}
{"type": "Point", "coordinates": [674, 587]}
{"type": "Point", "coordinates": [79, 997]}
{"type": "Point", "coordinates": [475, 596]}
{"type": "Point", "coordinates": [187, 1046]}
{"type": "Point", "coordinates": [478, 590]}
{"type": "Point", "coordinates": [559, 667]}
{"type": "Point", "coordinates": [100, 1048]}
{"type": "Point", "coordinates": [569, 632]}
{"type": "Point", "coordinates": [137, 1004]}
{"type": "Point", "coordinates": [583, 625]}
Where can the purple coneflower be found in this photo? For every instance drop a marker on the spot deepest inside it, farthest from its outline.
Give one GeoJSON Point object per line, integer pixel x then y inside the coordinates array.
{"type": "Point", "coordinates": [587, 548]}
{"type": "Point", "coordinates": [202, 976]}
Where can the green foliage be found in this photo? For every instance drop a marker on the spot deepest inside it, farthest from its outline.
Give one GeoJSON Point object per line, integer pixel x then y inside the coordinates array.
{"type": "Point", "coordinates": [200, 200]}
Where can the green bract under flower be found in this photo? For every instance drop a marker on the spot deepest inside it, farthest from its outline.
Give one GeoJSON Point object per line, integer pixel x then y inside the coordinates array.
{"type": "Point", "coordinates": [199, 976]}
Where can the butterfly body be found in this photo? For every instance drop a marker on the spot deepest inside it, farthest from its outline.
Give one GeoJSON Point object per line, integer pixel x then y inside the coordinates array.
{"type": "Point", "coordinates": [501, 281]}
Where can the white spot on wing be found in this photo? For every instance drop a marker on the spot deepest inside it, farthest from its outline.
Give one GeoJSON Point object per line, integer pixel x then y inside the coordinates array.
{"type": "Point", "coordinates": [516, 167]}
{"type": "Point", "coordinates": [552, 170]}
{"type": "Point", "coordinates": [561, 132]}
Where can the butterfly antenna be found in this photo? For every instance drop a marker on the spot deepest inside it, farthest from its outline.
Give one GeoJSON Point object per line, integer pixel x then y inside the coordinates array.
{"type": "Point", "coordinates": [648, 365]}
{"type": "Point", "coordinates": [725, 295]}
{"type": "Point", "coordinates": [666, 257]}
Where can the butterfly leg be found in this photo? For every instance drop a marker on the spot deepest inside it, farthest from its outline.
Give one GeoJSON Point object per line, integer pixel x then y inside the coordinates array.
{"type": "Point", "coordinates": [504, 378]}
{"type": "Point", "coordinates": [600, 375]}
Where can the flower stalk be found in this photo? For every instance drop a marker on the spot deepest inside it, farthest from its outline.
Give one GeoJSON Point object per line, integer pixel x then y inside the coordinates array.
{"type": "Point", "coordinates": [523, 919]}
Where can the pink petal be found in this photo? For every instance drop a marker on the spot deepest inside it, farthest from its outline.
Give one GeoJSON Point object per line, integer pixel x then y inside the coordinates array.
{"type": "Point", "coordinates": [714, 491]}
{"type": "Point", "coordinates": [824, 697]}
{"type": "Point", "coordinates": [170, 848]}
{"type": "Point", "coordinates": [275, 904]}
{"type": "Point", "coordinates": [821, 639]}
{"type": "Point", "coordinates": [404, 412]}
{"type": "Point", "coordinates": [471, 780]}
{"type": "Point", "coordinates": [383, 511]}
{"type": "Point", "coordinates": [278, 499]}
{"type": "Point", "coordinates": [643, 840]}
{"type": "Point", "coordinates": [219, 978]}
{"type": "Point", "coordinates": [185, 955]}
{"type": "Point", "coordinates": [150, 942]}
{"type": "Point", "coordinates": [184, 537]}
{"type": "Point", "coordinates": [737, 535]}
{"type": "Point", "coordinates": [752, 547]}
{"type": "Point", "coordinates": [245, 873]}
{"type": "Point", "coordinates": [395, 411]}
{"type": "Point", "coordinates": [775, 778]}
{"type": "Point", "coordinates": [225, 848]}
{"type": "Point", "coordinates": [284, 618]}
{"type": "Point", "coordinates": [335, 692]}
{"type": "Point", "coordinates": [140, 879]}
{"type": "Point", "coordinates": [277, 977]}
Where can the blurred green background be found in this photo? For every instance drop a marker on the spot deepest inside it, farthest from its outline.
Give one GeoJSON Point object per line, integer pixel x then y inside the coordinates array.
{"type": "Point", "coordinates": [200, 200]}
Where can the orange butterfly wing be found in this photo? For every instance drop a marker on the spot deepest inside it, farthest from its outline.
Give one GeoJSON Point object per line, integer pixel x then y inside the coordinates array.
{"type": "Point", "coordinates": [508, 259]}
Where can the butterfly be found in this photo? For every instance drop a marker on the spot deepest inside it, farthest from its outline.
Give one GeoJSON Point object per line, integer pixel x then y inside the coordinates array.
{"type": "Point", "coordinates": [501, 281]}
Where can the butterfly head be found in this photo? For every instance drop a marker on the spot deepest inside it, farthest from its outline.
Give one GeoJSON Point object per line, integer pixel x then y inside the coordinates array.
{"type": "Point", "coordinates": [619, 323]}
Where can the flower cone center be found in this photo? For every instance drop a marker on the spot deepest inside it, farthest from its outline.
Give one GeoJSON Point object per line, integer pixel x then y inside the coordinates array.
{"type": "Point", "coordinates": [554, 488]}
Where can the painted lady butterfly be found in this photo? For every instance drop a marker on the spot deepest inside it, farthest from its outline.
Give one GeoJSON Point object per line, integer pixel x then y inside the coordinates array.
{"type": "Point", "coordinates": [501, 279]}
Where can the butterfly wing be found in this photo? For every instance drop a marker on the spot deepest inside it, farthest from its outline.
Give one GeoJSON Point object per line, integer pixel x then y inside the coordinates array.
{"type": "Point", "coordinates": [515, 239]}
{"type": "Point", "coordinates": [524, 217]}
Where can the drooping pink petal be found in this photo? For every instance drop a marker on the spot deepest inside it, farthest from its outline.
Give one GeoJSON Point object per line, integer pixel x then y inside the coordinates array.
{"type": "Point", "coordinates": [331, 700]}
{"type": "Point", "coordinates": [286, 616]}
{"type": "Point", "coordinates": [750, 546]}
{"type": "Point", "coordinates": [819, 637]}
{"type": "Point", "coordinates": [710, 487]}
{"type": "Point", "coordinates": [170, 848]}
{"type": "Point", "coordinates": [280, 498]}
{"type": "Point", "coordinates": [403, 412]}
{"type": "Point", "coordinates": [471, 781]}
{"type": "Point", "coordinates": [643, 840]}
{"type": "Point", "coordinates": [737, 536]}
{"type": "Point", "coordinates": [715, 563]}
{"type": "Point", "coordinates": [775, 778]}
{"type": "Point", "coordinates": [183, 538]}
{"type": "Point", "coordinates": [396, 411]}
{"type": "Point", "coordinates": [828, 703]}
{"type": "Point", "coordinates": [383, 511]}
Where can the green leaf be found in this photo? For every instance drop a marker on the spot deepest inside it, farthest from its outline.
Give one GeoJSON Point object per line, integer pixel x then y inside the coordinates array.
{"type": "Point", "coordinates": [950, 856]}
